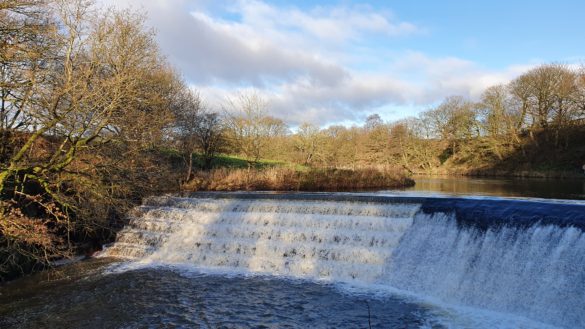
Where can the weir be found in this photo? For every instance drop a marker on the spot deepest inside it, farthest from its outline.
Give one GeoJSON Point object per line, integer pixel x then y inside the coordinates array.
{"type": "Point", "coordinates": [514, 256]}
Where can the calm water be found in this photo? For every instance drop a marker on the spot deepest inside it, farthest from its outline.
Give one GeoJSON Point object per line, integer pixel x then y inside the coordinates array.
{"type": "Point", "coordinates": [500, 187]}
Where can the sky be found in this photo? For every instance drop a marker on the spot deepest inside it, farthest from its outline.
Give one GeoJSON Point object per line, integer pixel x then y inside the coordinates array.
{"type": "Point", "coordinates": [336, 62]}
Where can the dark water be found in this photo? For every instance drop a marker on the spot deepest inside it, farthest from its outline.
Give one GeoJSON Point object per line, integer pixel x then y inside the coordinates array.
{"type": "Point", "coordinates": [500, 187]}
{"type": "Point", "coordinates": [81, 296]}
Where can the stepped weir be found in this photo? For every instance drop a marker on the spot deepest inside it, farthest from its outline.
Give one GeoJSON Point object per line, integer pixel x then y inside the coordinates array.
{"type": "Point", "coordinates": [514, 256]}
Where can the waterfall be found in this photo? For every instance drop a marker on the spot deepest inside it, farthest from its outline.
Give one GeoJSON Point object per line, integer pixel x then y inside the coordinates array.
{"type": "Point", "coordinates": [295, 238]}
{"type": "Point", "coordinates": [524, 262]}
{"type": "Point", "coordinates": [536, 271]}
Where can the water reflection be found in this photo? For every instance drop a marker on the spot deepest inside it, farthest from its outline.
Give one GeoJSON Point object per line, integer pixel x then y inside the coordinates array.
{"type": "Point", "coordinates": [504, 187]}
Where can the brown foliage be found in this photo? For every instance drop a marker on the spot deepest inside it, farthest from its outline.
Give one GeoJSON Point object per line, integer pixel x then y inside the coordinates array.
{"type": "Point", "coordinates": [78, 131]}
{"type": "Point", "coordinates": [289, 179]}
{"type": "Point", "coordinates": [27, 242]}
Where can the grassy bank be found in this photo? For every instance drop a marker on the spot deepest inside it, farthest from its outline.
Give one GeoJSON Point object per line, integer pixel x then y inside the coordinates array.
{"type": "Point", "coordinates": [236, 162]}
{"type": "Point", "coordinates": [291, 179]}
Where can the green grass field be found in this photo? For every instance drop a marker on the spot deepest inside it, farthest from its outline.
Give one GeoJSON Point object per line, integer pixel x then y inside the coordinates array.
{"type": "Point", "coordinates": [235, 162]}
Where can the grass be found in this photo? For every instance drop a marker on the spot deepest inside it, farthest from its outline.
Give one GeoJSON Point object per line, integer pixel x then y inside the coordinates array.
{"type": "Point", "coordinates": [236, 162]}
{"type": "Point", "coordinates": [279, 178]}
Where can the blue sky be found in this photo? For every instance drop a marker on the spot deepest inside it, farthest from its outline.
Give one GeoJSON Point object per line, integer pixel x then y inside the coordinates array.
{"type": "Point", "coordinates": [330, 62]}
{"type": "Point", "coordinates": [494, 33]}
{"type": "Point", "coordinates": [499, 33]}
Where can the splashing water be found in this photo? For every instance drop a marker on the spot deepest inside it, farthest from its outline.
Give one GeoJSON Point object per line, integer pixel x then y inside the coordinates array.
{"type": "Point", "coordinates": [535, 270]}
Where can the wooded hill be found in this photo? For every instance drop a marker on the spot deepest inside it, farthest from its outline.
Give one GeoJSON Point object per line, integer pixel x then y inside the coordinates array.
{"type": "Point", "coordinates": [533, 126]}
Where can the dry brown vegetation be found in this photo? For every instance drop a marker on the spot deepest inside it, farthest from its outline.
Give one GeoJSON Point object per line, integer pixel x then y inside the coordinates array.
{"type": "Point", "coordinates": [85, 96]}
{"type": "Point", "coordinates": [290, 179]}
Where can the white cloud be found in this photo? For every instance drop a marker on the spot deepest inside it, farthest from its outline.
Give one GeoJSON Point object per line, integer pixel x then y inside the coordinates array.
{"type": "Point", "coordinates": [303, 61]}
{"type": "Point", "coordinates": [327, 24]}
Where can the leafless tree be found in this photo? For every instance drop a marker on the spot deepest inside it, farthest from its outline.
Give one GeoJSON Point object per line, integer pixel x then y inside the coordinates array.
{"type": "Point", "coordinates": [199, 130]}
{"type": "Point", "coordinates": [250, 126]}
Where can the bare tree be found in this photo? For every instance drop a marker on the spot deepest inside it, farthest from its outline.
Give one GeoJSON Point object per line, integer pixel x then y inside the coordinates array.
{"type": "Point", "coordinates": [73, 79]}
{"type": "Point", "coordinates": [580, 95]}
{"type": "Point", "coordinates": [307, 142]}
{"type": "Point", "coordinates": [373, 121]}
{"type": "Point", "coordinates": [187, 109]}
{"type": "Point", "coordinates": [199, 130]}
{"type": "Point", "coordinates": [26, 28]}
{"type": "Point", "coordinates": [454, 120]}
{"type": "Point", "coordinates": [210, 136]}
{"type": "Point", "coordinates": [549, 96]}
{"type": "Point", "coordinates": [250, 127]}
{"type": "Point", "coordinates": [498, 120]}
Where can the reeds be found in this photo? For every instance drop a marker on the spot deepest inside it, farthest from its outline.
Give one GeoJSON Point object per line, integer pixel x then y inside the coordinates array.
{"type": "Point", "coordinates": [289, 179]}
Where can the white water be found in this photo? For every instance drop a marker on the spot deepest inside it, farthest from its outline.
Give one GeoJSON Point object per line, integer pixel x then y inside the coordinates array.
{"type": "Point", "coordinates": [308, 239]}
{"type": "Point", "coordinates": [535, 272]}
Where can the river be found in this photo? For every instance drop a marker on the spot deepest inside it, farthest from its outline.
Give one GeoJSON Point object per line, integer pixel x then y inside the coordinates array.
{"type": "Point", "coordinates": [497, 187]}
{"type": "Point", "coordinates": [447, 253]}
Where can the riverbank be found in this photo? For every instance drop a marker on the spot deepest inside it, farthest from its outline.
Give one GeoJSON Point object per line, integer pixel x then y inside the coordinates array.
{"type": "Point", "coordinates": [292, 179]}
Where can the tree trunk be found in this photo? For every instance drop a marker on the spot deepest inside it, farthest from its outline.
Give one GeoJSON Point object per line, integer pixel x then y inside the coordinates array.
{"type": "Point", "coordinates": [3, 177]}
{"type": "Point", "coordinates": [207, 161]}
{"type": "Point", "coordinates": [189, 167]}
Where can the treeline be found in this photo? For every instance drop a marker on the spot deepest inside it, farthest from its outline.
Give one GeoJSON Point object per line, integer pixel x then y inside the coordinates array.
{"type": "Point", "coordinates": [535, 122]}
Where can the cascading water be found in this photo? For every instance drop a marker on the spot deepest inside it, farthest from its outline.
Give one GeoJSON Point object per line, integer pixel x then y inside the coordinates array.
{"type": "Point", "coordinates": [536, 271]}
{"type": "Point", "coordinates": [296, 238]}
{"type": "Point", "coordinates": [505, 257]}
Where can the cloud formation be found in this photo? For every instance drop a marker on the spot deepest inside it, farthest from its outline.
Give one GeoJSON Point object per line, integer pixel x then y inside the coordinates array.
{"type": "Point", "coordinates": [304, 61]}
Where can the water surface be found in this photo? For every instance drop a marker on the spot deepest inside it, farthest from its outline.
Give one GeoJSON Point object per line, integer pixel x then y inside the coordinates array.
{"type": "Point", "coordinates": [83, 296]}
{"type": "Point", "coordinates": [498, 187]}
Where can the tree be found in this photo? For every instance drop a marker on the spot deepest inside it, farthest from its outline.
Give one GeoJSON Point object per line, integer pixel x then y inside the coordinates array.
{"type": "Point", "coordinates": [454, 121]}
{"type": "Point", "coordinates": [197, 129]}
{"type": "Point", "coordinates": [307, 143]}
{"type": "Point", "coordinates": [250, 128]}
{"type": "Point", "coordinates": [25, 44]}
{"type": "Point", "coordinates": [74, 80]}
{"type": "Point", "coordinates": [377, 143]}
{"type": "Point", "coordinates": [209, 135]}
{"type": "Point", "coordinates": [498, 120]}
{"type": "Point", "coordinates": [400, 140]}
{"type": "Point", "coordinates": [187, 109]}
{"type": "Point", "coordinates": [413, 144]}
{"type": "Point", "coordinates": [336, 141]}
{"type": "Point", "coordinates": [91, 88]}
{"type": "Point", "coordinates": [373, 121]}
{"type": "Point", "coordinates": [549, 95]}
{"type": "Point", "coordinates": [580, 94]}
